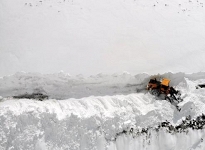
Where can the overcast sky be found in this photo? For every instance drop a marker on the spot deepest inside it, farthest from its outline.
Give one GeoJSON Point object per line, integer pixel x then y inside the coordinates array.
{"type": "Point", "coordinates": [87, 37]}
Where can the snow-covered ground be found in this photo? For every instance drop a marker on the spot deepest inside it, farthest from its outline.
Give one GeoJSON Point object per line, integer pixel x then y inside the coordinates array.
{"type": "Point", "coordinates": [97, 113]}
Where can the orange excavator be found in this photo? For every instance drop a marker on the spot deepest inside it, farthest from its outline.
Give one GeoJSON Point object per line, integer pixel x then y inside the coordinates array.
{"type": "Point", "coordinates": [158, 88]}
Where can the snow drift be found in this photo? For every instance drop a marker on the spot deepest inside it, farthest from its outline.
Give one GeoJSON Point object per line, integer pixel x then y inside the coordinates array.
{"type": "Point", "coordinates": [97, 121]}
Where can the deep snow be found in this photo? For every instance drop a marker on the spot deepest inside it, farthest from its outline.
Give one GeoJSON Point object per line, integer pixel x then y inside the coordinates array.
{"type": "Point", "coordinates": [94, 121]}
{"type": "Point", "coordinates": [95, 112]}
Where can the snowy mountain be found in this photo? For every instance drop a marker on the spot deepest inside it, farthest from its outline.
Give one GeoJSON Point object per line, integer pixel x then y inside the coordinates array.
{"type": "Point", "coordinates": [111, 115]}
{"type": "Point", "coordinates": [44, 110]}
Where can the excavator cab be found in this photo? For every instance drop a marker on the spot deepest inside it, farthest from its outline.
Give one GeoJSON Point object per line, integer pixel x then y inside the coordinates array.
{"type": "Point", "coordinates": [165, 82]}
{"type": "Point", "coordinates": [164, 88]}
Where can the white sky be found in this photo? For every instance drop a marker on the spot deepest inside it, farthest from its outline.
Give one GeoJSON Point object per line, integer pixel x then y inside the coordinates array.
{"type": "Point", "coordinates": [89, 37]}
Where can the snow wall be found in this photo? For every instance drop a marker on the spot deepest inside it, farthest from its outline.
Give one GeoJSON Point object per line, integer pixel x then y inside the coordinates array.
{"type": "Point", "coordinates": [98, 122]}
{"type": "Point", "coordinates": [88, 37]}
{"type": "Point", "coordinates": [63, 86]}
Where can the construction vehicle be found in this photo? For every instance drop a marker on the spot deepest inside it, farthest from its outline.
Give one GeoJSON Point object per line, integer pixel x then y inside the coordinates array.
{"type": "Point", "coordinates": [158, 88]}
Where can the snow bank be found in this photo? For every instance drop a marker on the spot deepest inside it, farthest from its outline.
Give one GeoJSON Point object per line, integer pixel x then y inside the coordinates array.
{"type": "Point", "coordinates": [162, 140]}
{"type": "Point", "coordinates": [94, 122]}
{"type": "Point", "coordinates": [64, 86]}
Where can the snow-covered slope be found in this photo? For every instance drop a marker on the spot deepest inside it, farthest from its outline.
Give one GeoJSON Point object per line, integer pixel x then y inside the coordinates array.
{"type": "Point", "coordinates": [102, 112]}
{"type": "Point", "coordinates": [99, 122]}
{"type": "Point", "coordinates": [89, 37]}
{"type": "Point", "coordinates": [64, 86]}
